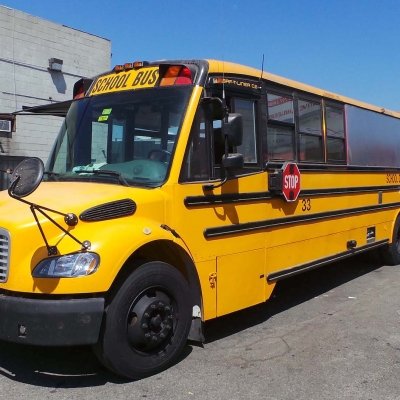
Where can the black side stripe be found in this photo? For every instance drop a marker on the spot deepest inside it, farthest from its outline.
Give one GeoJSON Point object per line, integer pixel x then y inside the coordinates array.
{"type": "Point", "coordinates": [228, 198]}
{"type": "Point", "coordinates": [357, 189]}
{"type": "Point", "coordinates": [288, 272]}
{"type": "Point", "coordinates": [192, 201]}
{"type": "Point", "coordinates": [269, 223]}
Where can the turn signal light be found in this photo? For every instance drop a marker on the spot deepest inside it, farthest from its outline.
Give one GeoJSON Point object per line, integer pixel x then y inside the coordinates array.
{"type": "Point", "coordinates": [140, 64]}
{"type": "Point", "coordinates": [129, 66]}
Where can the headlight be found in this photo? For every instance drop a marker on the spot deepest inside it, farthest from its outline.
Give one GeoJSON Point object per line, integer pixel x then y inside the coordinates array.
{"type": "Point", "coordinates": [69, 266]}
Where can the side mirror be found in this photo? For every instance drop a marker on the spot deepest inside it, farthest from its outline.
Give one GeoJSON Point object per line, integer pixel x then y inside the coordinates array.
{"type": "Point", "coordinates": [233, 161]}
{"type": "Point", "coordinates": [26, 177]}
{"type": "Point", "coordinates": [233, 129]}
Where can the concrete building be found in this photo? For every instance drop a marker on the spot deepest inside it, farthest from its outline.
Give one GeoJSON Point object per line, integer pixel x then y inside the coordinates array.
{"type": "Point", "coordinates": [39, 63]}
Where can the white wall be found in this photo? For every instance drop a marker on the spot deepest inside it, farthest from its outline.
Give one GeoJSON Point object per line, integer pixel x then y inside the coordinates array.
{"type": "Point", "coordinates": [26, 44]}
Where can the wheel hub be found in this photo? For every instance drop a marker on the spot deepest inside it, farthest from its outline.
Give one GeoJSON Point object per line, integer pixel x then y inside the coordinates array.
{"type": "Point", "coordinates": [150, 321]}
{"type": "Point", "coordinates": [156, 322]}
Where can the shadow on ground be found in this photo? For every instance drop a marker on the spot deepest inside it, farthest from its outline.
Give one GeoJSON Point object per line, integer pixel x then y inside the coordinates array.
{"type": "Point", "coordinates": [58, 367]}
{"type": "Point", "coordinates": [75, 367]}
{"type": "Point", "coordinates": [294, 291]}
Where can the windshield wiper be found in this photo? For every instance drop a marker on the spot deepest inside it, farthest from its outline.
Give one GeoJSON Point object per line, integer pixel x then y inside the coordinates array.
{"type": "Point", "coordinates": [54, 175]}
{"type": "Point", "coordinates": [108, 172]}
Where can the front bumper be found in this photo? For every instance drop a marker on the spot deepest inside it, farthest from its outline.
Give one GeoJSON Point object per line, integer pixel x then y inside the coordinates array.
{"type": "Point", "coordinates": [47, 322]}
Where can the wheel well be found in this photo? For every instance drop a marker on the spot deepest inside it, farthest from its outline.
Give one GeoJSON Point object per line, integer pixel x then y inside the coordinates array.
{"type": "Point", "coordinates": [394, 222]}
{"type": "Point", "coordinates": [164, 251]}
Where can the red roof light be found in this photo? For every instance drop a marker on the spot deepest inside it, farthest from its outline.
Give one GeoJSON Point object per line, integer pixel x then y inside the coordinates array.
{"type": "Point", "coordinates": [176, 75]}
{"type": "Point", "coordinates": [184, 77]}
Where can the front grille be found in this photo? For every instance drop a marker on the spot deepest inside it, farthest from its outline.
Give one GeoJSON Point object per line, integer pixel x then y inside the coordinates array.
{"type": "Point", "coordinates": [4, 254]}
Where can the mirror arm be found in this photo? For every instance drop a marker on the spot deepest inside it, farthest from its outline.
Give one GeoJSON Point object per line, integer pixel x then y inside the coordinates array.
{"type": "Point", "coordinates": [70, 219]}
{"type": "Point", "coordinates": [52, 250]}
{"type": "Point", "coordinates": [225, 126]}
{"type": "Point", "coordinates": [12, 187]}
{"type": "Point", "coordinates": [210, 186]}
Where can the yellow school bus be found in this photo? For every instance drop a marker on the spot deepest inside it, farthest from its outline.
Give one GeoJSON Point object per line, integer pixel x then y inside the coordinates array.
{"type": "Point", "coordinates": [180, 191]}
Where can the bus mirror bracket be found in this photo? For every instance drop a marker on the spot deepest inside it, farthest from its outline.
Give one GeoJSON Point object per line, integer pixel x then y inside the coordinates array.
{"type": "Point", "coordinates": [232, 133]}
{"type": "Point", "coordinates": [231, 124]}
{"type": "Point", "coordinates": [26, 178]}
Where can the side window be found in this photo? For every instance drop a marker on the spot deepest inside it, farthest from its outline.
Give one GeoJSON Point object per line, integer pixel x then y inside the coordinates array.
{"type": "Point", "coordinates": [310, 131]}
{"type": "Point", "coordinates": [280, 129]}
{"type": "Point", "coordinates": [196, 164]}
{"type": "Point", "coordinates": [335, 139]}
{"type": "Point", "coordinates": [249, 145]}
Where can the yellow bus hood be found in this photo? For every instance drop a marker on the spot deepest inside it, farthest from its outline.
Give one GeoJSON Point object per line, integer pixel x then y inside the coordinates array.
{"type": "Point", "coordinates": [76, 197]}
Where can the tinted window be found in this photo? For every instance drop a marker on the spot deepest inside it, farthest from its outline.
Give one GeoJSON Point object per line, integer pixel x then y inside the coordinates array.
{"type": "Point", "coordinates": [334, 122]}
{"type": "Point", "coordinates": [248, 146]}
{"type": "Point", "coordinates": [309, 117]}
{"type": "Point", "coordinates": [310, 148]}
{"type": "Point", "coordinates": [280, 142]}
{"type": "Point", "coordinates": [335, 142]}
{"type": "Point", "coordinates": [310, 131]}
{"type": "Point", "coordinates": [280, 108]}
{"type": "Point", "coordinates": [196, 163]}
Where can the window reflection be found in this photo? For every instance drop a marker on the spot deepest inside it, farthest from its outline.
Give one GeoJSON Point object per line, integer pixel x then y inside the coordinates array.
{"type": "Point", "coordinates": [280, 108]}
{"type": "Point", "coordinates": [195, 164]}
{"type": "Point", "coordinates": [335, 143]}
{"type": "Point", "coordinates": [310, 148]}
{"type": "Point", "coordinates": [280, 143]}
{"type": "Point", "coordinates": [335, 149]}
{"type": "Point", "coordinates": [334, 122]}
{"type": "Point", "coordinates": [310, 117]}
{"type": "Point", "coordinates": [248, 146]}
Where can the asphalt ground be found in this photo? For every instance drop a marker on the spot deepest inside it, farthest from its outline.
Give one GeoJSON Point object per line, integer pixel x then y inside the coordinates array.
{"type": "Point", "coordinates": [331, 333]}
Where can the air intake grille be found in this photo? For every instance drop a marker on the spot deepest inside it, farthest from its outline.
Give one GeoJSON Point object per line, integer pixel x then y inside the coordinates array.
{"type": "Point", "coordinates": [4, 254]}
{"type": "Point", "coordinates": [114, 209]}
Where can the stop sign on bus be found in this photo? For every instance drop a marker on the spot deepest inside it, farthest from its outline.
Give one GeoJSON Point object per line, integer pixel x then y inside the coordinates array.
{"type": "Point", "coordinates": [290, 181]}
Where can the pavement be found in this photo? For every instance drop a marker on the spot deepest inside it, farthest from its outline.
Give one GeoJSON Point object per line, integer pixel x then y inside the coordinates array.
{"type": "Point", "coordinates": [332, 333]}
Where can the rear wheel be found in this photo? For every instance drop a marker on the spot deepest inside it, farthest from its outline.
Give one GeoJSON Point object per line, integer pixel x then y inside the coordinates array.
{"type": "Point", "coordinates": [147, 323]}
{"type": "Point", "coordinates": [391, 252]}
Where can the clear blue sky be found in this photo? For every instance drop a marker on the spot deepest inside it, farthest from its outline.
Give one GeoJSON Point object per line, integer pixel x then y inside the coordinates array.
{"type": "Point", "coordinates": [350, 47]}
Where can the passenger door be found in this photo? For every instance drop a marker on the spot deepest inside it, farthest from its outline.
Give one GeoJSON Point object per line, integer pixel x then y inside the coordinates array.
{"type": "Point", "coordinates": [230, 266]}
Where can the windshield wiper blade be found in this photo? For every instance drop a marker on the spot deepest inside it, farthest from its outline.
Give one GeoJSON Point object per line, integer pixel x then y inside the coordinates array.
{"type": "Point", "coordinates": [52, 174]}
{"type": "Point", "coordinates": [108, 172]}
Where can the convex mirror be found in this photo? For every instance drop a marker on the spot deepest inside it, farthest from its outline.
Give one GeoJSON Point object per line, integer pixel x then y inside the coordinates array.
{"type": "Point", "coordinates": [26, 177]}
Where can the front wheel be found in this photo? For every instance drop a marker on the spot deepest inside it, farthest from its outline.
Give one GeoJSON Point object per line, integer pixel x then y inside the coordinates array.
{"type": "Point", "coordinates": [147, 323]}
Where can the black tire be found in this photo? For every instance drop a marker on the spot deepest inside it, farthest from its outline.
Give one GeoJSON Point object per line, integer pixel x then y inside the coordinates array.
{"type": "Point", "coordinates": [147, 322]}
{"type": "Point", "coordinates": [391, 252]}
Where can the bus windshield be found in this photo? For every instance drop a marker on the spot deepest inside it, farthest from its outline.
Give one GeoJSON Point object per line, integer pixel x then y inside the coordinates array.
{"type": "Point", "coordinates": [122, 138]}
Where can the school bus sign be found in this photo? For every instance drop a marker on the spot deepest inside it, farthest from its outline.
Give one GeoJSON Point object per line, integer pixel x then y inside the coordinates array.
{"type": "Point", "coordinates": [127, 80]}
